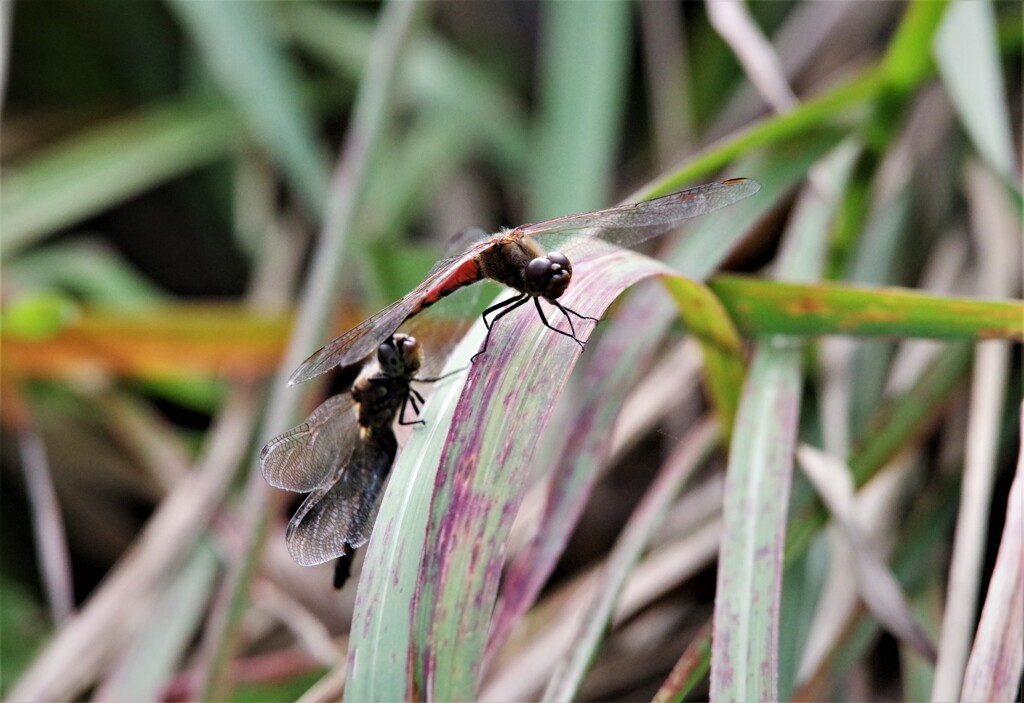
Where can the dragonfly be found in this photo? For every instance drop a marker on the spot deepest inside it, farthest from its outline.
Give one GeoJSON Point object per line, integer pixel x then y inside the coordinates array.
{"type": "Point", "coordinates": [527, 260]}
{"type": "Point", "coordinates": [342, 453]}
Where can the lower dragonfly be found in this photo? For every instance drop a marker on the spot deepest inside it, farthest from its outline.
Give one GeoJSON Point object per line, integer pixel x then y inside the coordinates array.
{"type": "Point", "coordinates": [342, 454]}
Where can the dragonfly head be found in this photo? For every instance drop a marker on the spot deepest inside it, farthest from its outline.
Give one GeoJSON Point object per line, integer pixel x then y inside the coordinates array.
{"type": "Point", "coordinates": [399, 356]}
{"type": "Point", "coordinates": [548, 276]}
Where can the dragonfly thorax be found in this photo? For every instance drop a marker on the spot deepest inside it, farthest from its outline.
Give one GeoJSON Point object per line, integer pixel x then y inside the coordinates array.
{"type": "Point", "coordinates": [379, 399]}
{"type": "Point", "coordinates": [523, 264]}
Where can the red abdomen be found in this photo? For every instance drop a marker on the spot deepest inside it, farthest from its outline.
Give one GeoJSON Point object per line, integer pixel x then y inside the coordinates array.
{"type": "Point", "coordinates": [466, 273]}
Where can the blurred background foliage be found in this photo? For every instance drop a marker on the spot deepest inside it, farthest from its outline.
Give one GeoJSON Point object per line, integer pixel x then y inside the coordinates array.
{"type": "Point", "coordinates": [168, 168]}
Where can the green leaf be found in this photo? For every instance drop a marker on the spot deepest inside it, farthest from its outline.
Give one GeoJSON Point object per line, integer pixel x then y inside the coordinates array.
{"type": "Point", "coordinates": [583, 81]}
{"type": "Point", "coordinates": [766, 307]}
{"type": "Point", "coordinates": [967, 55]}
{"type": "Point", "coordinates": [707, 319]}
{"type": "Point", "coordinates": [745, 640]}
{"type": "Point", "coordinates": [236, 41]}
{"type": "Point", "coordinates": [110, 162]}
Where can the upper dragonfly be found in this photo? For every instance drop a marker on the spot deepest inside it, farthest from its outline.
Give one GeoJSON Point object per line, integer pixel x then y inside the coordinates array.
{"type": "Point", "coordinates": [525, 259]}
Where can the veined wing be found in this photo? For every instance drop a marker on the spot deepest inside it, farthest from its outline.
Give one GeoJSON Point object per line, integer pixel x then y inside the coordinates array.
{"type": "Point", "coordinates": [307, 456]}
{"type": "Point", "coordinates": [337, 518]}
{"type": "Point", "coordinates": [363, 339]}
{"type": "Point", "coordinates": [628, 225]}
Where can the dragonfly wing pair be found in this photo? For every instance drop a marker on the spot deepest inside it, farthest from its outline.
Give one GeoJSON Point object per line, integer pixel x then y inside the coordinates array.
{"type": "Point", "coordinates": [337, 518]}
{"type": "Point", "coordinates": [304, 458]}
{"type": "Point", "coordinates": [623, 226]}
{"type": "Point", "coordinates": [628, 225]}
{"type": "Point", "coordinates": [343, 471]}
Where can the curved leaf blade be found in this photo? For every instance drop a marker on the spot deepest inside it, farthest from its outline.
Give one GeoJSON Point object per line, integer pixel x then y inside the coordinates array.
{"type": "Point", "coordinates": [410, 604]}
{"type": "Point", "coordinates": [484, 473]}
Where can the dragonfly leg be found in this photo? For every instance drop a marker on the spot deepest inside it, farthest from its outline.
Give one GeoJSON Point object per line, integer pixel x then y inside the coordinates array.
{"type": "Point", "coordinates": [551, 327]}
{"type": "Point", "coordinates": [441, 377]}
{"type": "Point", "coordinates": [411, 399]}
{"type": "Point", "coordinates": [509, 305]}
{"type": "Point", "coordinates": [566, 311]}
{"type": "Point", "coordinates": [570, 310]}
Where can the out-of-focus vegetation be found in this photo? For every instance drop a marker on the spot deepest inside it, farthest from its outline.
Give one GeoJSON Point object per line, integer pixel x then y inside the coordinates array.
{"type": "Point", "coordinates": [194, 195]}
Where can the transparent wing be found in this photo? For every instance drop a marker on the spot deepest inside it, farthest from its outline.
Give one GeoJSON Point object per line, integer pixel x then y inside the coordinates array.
{"type": "Point", "coordinates": [306, 457]}
{"type": "Point", "coordinates": [464, 239]}
{"type": "Point", "coordinates": [362, 340]}
{"type": "Point", "coordinates": [337, 518]}
{"type": "Point", "coordinates": [358, 343]}
{"type": "Point", "coordinates": [628, 225]}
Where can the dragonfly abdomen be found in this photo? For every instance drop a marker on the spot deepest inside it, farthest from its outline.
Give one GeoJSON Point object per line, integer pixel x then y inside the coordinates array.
{"type": "Point", "coordinates": [467, 273]}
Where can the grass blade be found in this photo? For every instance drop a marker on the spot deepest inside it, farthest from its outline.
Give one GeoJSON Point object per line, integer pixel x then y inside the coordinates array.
{"type": "Point", "coordinates": [745, 640]}
{"type": "Point", "coordinates": [767, 307]}
{"type": "Point", "coordinates": [235, 40]}
{"type": "Point", "coordinates": [484, 472]}
{"type": "Point", "coordinates": [994, 667]}
{"type": "Point", "coordinates": [111, 162]}
{"type": "Point", "coordinates": [395, 598]}
{"type": "Point", "coordinates": [626, 347]}
{"type": "Point", "coordinates": [744, 655]}
{"type": "Point", "coordinates": [966, 51]}
{"type": "Point", "coordinates": [585, 54]}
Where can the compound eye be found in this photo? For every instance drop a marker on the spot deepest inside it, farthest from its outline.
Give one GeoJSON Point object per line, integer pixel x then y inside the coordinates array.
{"type": "Point", "coordinates": [560, 259]}
{"type": "Point", "coordinates": [537, 271]}
{"type": "Point", "coordinates": [547, 276]}
{"type": "Point", "coordinates": [388, 355]}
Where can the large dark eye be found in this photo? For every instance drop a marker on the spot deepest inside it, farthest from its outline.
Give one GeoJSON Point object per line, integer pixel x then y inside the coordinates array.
{"type": "Point", "coordinates": [537, 271]}
{"type": "Point", "coordinates": [388, 356]}
{"type": "Point", "coordinates": [548, 276]}
{"type": "Point", "coordinates": [561, 259]}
